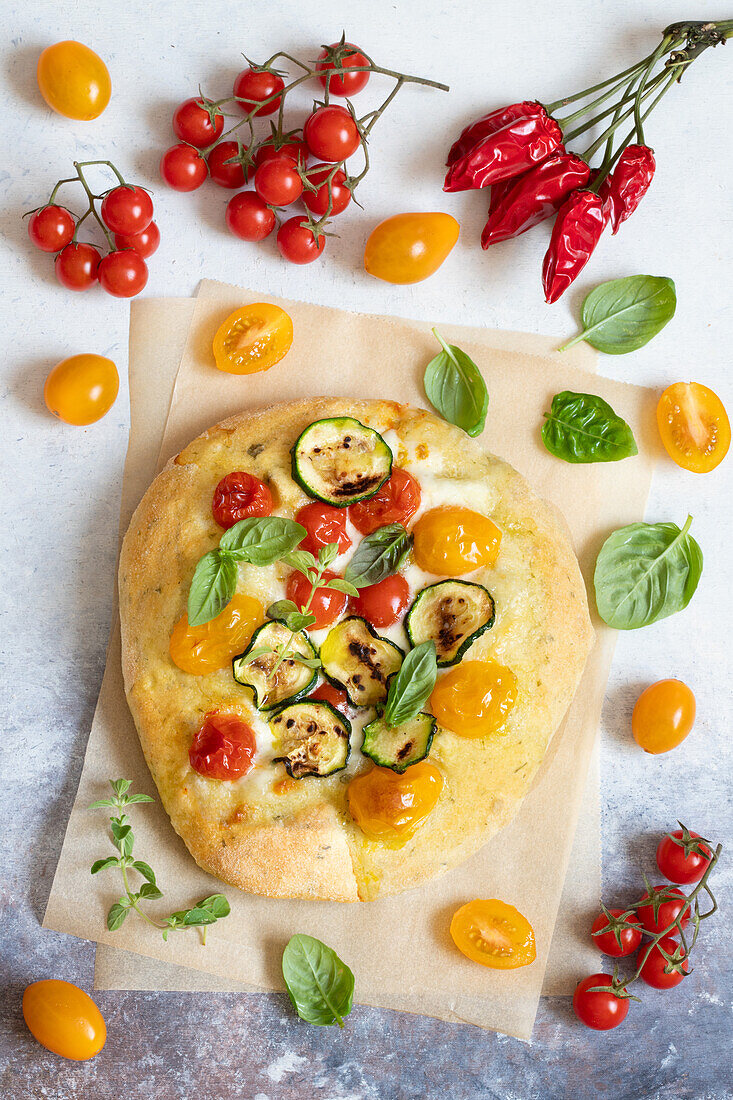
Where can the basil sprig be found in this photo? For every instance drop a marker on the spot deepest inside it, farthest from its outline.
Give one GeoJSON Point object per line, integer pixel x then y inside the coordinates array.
{"type": "Point", "coordinates": [645, 572]}
{"type": "Point", "coordinates": [581, 427]}
{"type": "Point", "coordinates": [624, 314]}
{"type": "Point", "coordinates": [378, 555]}
{"type": "Point", "coordinates": [410, 689]}
{"type": "Point", "coordinates": [455, 388]}
{"type": "Point", "coordinates": [320, 984]}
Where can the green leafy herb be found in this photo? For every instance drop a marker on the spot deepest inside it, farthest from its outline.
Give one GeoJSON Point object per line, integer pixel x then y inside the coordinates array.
{"type": "Point", "coordinates": [645, 572]}
{"type": "Point", "coordinates": [581, 427]}
{"type": "Point", "coordinates": [378, 555]}
{"type": "Point", "coordinates": [320, 984]}
{"type": "Point", "coordinates": [455, 387]}
{"type": "Point", "coordinates": [624, 314]}
{"type": "Point", "coordinates": [262, 540]}
{"type": "Point", "coordinates": [410, 689]}
{"type": "Point", "coordinates": [213, 584]}
{"type": "Point", "coordinates": [203, 913]}
{"type": "Point", "coordinates": [287, 612]}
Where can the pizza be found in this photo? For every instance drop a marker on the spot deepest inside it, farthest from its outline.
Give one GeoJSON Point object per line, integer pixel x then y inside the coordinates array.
{"type": "Point", "coordinates": [348, 637]}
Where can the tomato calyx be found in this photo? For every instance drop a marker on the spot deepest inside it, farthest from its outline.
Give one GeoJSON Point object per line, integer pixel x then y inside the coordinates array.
{"type": "Point", "coordinates": [690, 843]}
{"type": "Point", "coordinates": [618, 921]}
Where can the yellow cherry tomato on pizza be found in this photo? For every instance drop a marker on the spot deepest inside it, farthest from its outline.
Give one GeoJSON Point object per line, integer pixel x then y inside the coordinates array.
{"type": "Point", "coordinates": [475, 698]}
{"type": "Point", "coordinates": [82, 388]}
{"type": "Point", "coordinates": [253, 339]}
{"type": "Point", "coordinates": [387, 806]}
{"type": "Point", "coordinates": [199, 650]}
{"type": "Point", "coordinates": [663, 716]}
{"type": "Point", "coordinates": [452, 541]}
{"type": "Point", "coordinates": [64, 1019]}
{"type": "Point", "coordinates": [408, 248]}
{"type": "Point", "coordinates": [74, 80]}
{"type": "Point", "coordinates": [493, 933]}
{"type": "Point", "coordinates": [694, 426]}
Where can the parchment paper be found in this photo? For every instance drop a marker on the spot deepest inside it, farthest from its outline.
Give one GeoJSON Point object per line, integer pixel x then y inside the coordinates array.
{"type": "Point", "coordinates": [415, 967]}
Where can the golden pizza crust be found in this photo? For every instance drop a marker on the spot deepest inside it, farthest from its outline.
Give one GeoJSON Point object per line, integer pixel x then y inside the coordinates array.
{"type": "Point", "coordinates": [297, 839]}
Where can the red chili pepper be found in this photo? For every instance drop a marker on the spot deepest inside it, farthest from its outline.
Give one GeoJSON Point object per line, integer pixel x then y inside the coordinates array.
{"type": "Point", "coordinates": [508, 152]}
{"type": "Point", "coordinates": [576, 233]}
{"type": "Point", "coordinates": [629, 182]}
{"type": "Point", "coordinates": [489, 124]}
{"type": "Point", "coordinates": [533, 197]}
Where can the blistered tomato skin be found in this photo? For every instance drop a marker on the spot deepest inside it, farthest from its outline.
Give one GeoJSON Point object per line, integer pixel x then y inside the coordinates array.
{"type": "Point", "coordinates": [384, 603]}
{"type": "Point", "coordinates": [64, 1019]}
{"type": "Point", "coordinates": [389, 807]}
{"type": "Point", "coordinates": [238, 496]}
{"type": "Point", "coordinates": [199, 650]}
{"type": "Point", "coordinates": [408, 248]}
{"type": "Point", "coordinates": [694, 426]}
{"type": "Point", "coordinates": [494, 934]}
{"type": "Point", "coordinates": [396, 502]}
{"type": "Point", "coordinates": [451, 541]}
{"type": "Point", "coordinates": [81, 389]}
{"type": "Point", "coordinates": [223, 748]}
{"type": "Point", "coordinates": [253, 339]}
{"type": "Point", "coordinates": [324, 525]}
{"type": "Point", "coordinates": [74, 80]}
{"type": "Point", "coordinates": [663, 716]}
{"type": "Point", "coordinates": [475, 698]}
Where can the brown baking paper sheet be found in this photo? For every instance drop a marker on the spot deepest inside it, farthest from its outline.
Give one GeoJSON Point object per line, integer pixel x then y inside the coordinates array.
{"type": "Point", "coordinates": [416, 967]}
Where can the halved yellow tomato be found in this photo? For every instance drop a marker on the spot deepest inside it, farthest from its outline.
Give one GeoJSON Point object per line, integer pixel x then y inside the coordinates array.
{"type": "Point", "coordinates": [694, 426]}
{"type": "Point", "coordinates": [253, 339]}
{"type": "Point", "coordinates": [74, 80]}
{"type": "Point", "coordinates": [493, 933]}
{"type": "Point", "coordinates": [407, 248]}
{"type": "Point", "coordinates": [452, 540]}
{"type": "Point", "coordinates": [206, 648]}
{"type": "Point", "coordinates": [475, 698]}
{"type": "Point", "coordinates": [388, 806]}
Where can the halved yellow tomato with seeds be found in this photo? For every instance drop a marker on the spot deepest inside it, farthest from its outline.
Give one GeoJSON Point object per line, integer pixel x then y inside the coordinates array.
{"type": "Point", "coordinates": [493, 933]}
{"type": "Point", "coordinates": [694, 426]}
{"type": "Point", "coordinates": [253, 339]}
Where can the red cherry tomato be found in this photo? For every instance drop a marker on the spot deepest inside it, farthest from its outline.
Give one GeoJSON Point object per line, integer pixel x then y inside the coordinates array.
{"type": "Point", "coordinates": [183, 168]}
{"type": "Point", "coordinates": [601, 1011]}
{"type": "Point", "coordinates": [333, 695]}
{"type": "Point", "coordinates": [327, 604]}
{"type": "Point", "coordinates": [396, 502]}
{"type": "Point", "coordinates": [331, 133]}
{"type": "Point", "coordinates": [324, 524]}
{"type": "Point", "coordinates": [192, 123]}
{"type": "Point", "coordinates": [123, 274]}
{"type": "Point", "coordinates": [252, 87]}
{"type": "Point", "coordinates": [223, 748]}
{"type": "Point", "coordinates": [145, 243]}
{"type": "Point", "coordinates": [277, 181]}
{"type": "Point", "coordinates": [667, 910]}
{"type": "Point", "coordinates": [248, 217]}
{"type": "Point", "coordinates": [76, 266]}
{"type": "Point", "coordinates": [608, 942]}
{"type": "Point", "coordinates": [127, 209]}
{"type": "Point", "coordinates": [346, 84]}
{"type": "Point", "coordinates": [317, 201]}
{"type": "Point", "coordinates": [239, 495]}
{"type": "Point", "coordinates": [51, 228]}
{"type": "Point", "coordinates": [655, 970]}
{"type": "Point", "coordinates": [295, 148]}
{"type": "Point", "coordinates": [222, 169]}
{"type": "Point", "coordinates": [676, 866]}
{"type": "Point", "coordinates": [383, 603]}
{"type": "Point", "coordinates": [296, 242]}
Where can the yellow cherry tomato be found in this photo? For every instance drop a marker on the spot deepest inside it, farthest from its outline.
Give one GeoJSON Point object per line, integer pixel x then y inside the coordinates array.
{"type": "Point", "coordinates": [475, 698]}
{"type": "Point", "coordinates": [663, 716]}
{"type": "Point", "coordinates": [453, 540]}
{"type": "Point", "coordinates": [407, 248]}
{"type": "Point", "coordinates": [206, 648]}
{"type": "Point", "coordinates": [389, 807]}
{"type": "Point", "coordinates": [64, 1019]}
{"type": "Point", "coordinates": [74, 80]}
{"type": "Point", "coordinates": [82, 389]}
{"type": "Point", "coordinates": [253, 339]}
{"type": "Point", "coordinates": [694, 426]}
{"type": "Point", "coordinates": [494, 934]}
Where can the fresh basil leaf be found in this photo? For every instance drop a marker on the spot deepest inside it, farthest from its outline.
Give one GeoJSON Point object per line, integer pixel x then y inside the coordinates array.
{"type": "Point", "coordinates": [280, 609]}
{"type": "Point", "coordinates": [645, 572]}
{"type": "Point", "coordinates": [378, 555]}
{"type": "Point", "coordinates": [116, 915]}
{"type": "Point", "coordinates": [217, 904]}
{"type": "Point", "coordinates": [262, 540]}
{"type": "Point", "coordinates": [103, 864]}
{"type": "Point", "coordinates": [341, 585]}
{"type": "Point", "coordinates": [581, 427]}
{"type": "Point", "coordinates": [213, 584]}
{"type": "Point", "coordinates": [624, 314]}
{"type": "Point", "coordinates": [320, 984]}
{"type": "Point", "coordinates": [455, 387]}
{"type": "Point", "coordinates": [302, 561]}
{"type": "Point", "coordinates": [410, 689]}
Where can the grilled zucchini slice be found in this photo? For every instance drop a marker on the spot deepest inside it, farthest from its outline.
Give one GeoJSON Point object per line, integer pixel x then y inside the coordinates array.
{"type": "Point", "coordinates": [340, 461]}
{"type": "Point", "coordinates": [355, 658]}
{"type": "Point", "coordinates": [312, 738]}
{"type": "Point", "coordinates": [292, 678]}
{"type": "Point", "coordinates": [452, 613]}
{"type": "Point", "coordinates": [402, 746]}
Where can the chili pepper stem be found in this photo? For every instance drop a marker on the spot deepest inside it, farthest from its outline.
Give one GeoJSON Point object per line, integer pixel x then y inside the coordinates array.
{"type": "Point", "coordinates": [567, 100]}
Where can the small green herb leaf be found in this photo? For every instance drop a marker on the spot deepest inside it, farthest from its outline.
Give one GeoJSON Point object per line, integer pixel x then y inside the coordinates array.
{"type": "Point", "coordinates": [581, 427]}
{"type": "Point", "coordinates": [280, 609]}
{"type": "Point", "coordinates": [410, 689]}
{"type": "Point", "coordinates": [138, 798]}
{"type": "Point", "coordinates": [144, 869]}
{"type": "Point", "coordinates": [455, 387]}
{"type": "Point", "coordinates": [116, 916]}
{"type": "Point", "coordinates": [309, 662]}
{"type": "Point", "coordinates": [302, 561]}
{"type": "Point", "coordinates": [320, 984]}
{"type": "Point", "coordinates": [213, 584]}
{"type": "Point", "coordinates": [326, 554]}
{"type": "Point", "coordinates": [342, 585]}
{"type": "Point", "coordinates": [121, 786]}
{"type": "Point", "coordinates": [262, 540]}
{"type": "Point", "coordinates": [216, 904]}
{"type": "Point", "coordinates": [624, 314]}
{"type": "Point", "coordinates": [378, 555]}
{"type": "Point", "coordinates": [150, 891]}
{"type": "Point", "coordinates": [103, 864]}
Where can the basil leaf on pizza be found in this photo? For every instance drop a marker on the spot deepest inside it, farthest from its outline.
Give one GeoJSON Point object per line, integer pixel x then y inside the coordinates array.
{"type": "Point", "coordinates": [320, 984]}
{"type": "Point", "coordinates": [378, 555]}
{"type": "Point", "coordinates": [262, 540]}
{"type": "Point", "coordinates": [455, 387]}
{"type": "Point", "coordinates": [213, 584]}
{"type": "Point", "coordinates": [412, 686]}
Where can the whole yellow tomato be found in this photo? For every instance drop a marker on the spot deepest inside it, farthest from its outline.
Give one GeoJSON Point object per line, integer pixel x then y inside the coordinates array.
{"type": "Point", "coordinates": [475, 698]}
{"type": "Point", "coordinates": [663, 716]}
{"type": "Point", "coordinates": [407, 248]}
{"type": "Point", "coordinates": [199, 650]}
{"type": "Point", "coordinates": [64, 1019]}
{"type": "Point", "coordinates": [452, 540]}
{"type": "Point", "coordinates": [74, 80]}
{"type": "Point", "coordinates": [388, 806]}
{"type": "Point", "coordinates": [82, 388]}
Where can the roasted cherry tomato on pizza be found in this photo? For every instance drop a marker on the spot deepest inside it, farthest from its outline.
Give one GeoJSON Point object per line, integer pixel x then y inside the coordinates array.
{"type": "Point", "coordinates": [223, 747]}
{"type": "Point", "coordinates": [238, 496]}
{"type": "Point", "coordinates": [253, 339]}
{"type": "Point", "coordinates": [683, 856]}
{"type": "Point", "coordinates": [327, 604]}
{"type": "Point", "coordinates": [694, 426]}
{"type": "Point", "coordinates": [327, 693]}
{"type": "Point", "coordinates": [199, 650]}
{"type": "Point", "coordinates": [453, 540]}
{"type": "Point", "coordinates": [388, 806]}
{"type": "Point", "coordinates": [384, 603]}
{"type": "Point", "coordinates": [601, 1009]}
{"type": "Point", "coordinates": [64, 1019]}
{"type": "Point", "coordinates": [494, 934]}
{"type": "Point", "coordinates": [396, 502]}
{"type": "Point", "coordinates": [324, 524]}
{"type": "Point", "coordinates": [82, 389]}
{"type": "Point", "coordinates": [475, 698]}
{"type": "Point", "coordinates": [663, 716]}
{"type": "Point", "coordinates": [664, 906]}
{"type": "Point", "coordinates": [616, 941]}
